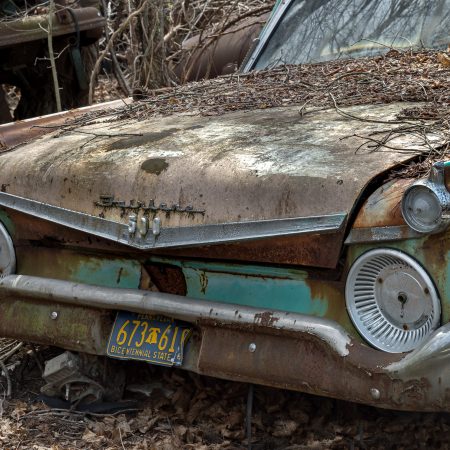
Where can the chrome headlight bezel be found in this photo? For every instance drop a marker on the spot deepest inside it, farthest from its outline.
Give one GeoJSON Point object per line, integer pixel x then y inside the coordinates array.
{"type": "Point", "coordinates": [434, 186]}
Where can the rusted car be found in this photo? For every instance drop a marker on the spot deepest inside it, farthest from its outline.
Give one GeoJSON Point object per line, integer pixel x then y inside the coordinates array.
{"type": "Point", "coordinates": [24, 62]}
{"type": "Point", "coordinates": [257, 246]}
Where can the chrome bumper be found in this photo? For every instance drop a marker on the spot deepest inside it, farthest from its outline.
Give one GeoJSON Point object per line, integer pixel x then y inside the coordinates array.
{"type": "Point", "coordinates": [272, 348]}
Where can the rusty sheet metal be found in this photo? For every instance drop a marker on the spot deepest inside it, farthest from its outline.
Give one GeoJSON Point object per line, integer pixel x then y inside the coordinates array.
{"type": "Point", "coordinates": [383, 207]}
{"type": "Point", "coordinates": [380, 219]}
{"type": "Point", "coordinates": [23, 131]}
{"type": "Point", "coordinates": [32, 28]}
{"type": "Point", "coordinates": [314, 250]}
{"type": "Point", "coordinates": [305, 363]}
{"type": "Point", "coordinates": [74, 328]}
{"type": "Point", "coordinates": [265, 164]}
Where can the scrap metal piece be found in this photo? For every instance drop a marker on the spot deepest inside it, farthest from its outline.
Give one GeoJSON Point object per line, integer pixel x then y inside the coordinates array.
{"type": "Point", "coordinates": [64, 377]}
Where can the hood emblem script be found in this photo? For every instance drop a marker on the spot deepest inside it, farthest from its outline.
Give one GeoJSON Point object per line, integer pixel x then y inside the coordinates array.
{"type": "Point", "coordinates": [107, 201]}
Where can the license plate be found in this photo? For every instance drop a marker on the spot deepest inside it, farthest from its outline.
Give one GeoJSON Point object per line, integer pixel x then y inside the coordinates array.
{"type": "Point", "coordinates": [157, 340]}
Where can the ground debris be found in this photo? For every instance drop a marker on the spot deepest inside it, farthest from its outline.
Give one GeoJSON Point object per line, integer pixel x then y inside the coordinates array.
{"type": "Point", "coordinates": [395, 76]}
{"type": "Point", "coordinates": [281, 420]}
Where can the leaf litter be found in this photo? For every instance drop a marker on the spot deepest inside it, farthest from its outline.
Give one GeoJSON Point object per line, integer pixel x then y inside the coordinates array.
{"type": "Point", "coordinates": [188, 411]}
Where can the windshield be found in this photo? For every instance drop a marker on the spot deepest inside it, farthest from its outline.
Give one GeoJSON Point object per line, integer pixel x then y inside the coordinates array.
{"type": "Point", "coordinates": [323, 30]}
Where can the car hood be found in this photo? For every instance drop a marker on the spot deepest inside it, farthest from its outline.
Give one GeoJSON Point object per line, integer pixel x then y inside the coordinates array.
{"type": "Point", "coordinates": [192, 170]}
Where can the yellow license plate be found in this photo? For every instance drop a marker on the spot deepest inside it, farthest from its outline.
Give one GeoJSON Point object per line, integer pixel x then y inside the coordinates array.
{"type": "Point", "coordinates": [157, 340]}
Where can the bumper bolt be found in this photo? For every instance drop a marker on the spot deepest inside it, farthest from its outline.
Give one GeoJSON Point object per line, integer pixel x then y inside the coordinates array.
{"type": "Point", "coordinates": [375, 393]}
{"type": "Point", "coordinates": [252, 347]}
{"type": "Point", "coordinates": [54, 315]}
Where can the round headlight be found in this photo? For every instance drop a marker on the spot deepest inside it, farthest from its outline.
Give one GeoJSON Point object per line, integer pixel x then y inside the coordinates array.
{"type": "Point", "coordinates": [422, 209]}
{"type": "Point", "coordinates": [392, 300]}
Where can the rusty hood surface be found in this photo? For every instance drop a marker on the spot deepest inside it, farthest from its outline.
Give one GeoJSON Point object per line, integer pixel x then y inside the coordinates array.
{"type": "Point", "coordinates": [193, 171]}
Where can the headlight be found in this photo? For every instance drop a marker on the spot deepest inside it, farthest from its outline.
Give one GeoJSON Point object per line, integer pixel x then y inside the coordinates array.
{"type": "Point", "coordinates": [426, 204]}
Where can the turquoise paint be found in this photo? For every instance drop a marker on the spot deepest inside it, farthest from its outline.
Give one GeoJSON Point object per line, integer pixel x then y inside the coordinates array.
{"type": "Point", "coordinates": [117, 273]}
{"type": "Point", "coordinates": [258, 286]}
{"type": "Point", "coordinates": [287, 295]}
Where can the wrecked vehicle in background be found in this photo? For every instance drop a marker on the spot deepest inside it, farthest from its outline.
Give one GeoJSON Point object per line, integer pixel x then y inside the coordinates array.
{"type": "Point", "coordinates": [24, 61]}
{"type": "Point", "coordinates": [287, 227]}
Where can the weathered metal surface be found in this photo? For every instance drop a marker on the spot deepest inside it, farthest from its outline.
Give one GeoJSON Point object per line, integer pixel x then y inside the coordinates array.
{"type": "Point", "coordinates": [166, 278]}
{"type": "Point", "coordinates": [66, 264]}
{"type": "Point", "coordinates": [307, 364]}
{"type": "Point", "coordinates": [23, 131]}
{"type": "Point", "coordinates": [380, 218]}
{"type": "Point", "coordinates": [306, 250]}
{"type": "Point", "coordinates": [267, 347]}
{"type": "Point", "coordinates": [267, 164]}
{"type": "Point", "coordinates": [289, 290]}
{"type": "Point", "coordinates": [380, 234]}
{"type": "Point", "coordinates": [383, 207]}
{"type": "Point", "coordinates": [52, 323]}
{"type": "Point", "coordinates": [33, 27]}
{"type": "Point", "coordinates": [240, 167]}
{"type": "Point", "coordinates": [380, 225]}
{"type": "Point", "coordinates": [314, 250]}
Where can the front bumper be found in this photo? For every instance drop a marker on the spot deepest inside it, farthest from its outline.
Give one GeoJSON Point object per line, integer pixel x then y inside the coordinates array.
{"type": "Point", "coordinates": [291, 351]}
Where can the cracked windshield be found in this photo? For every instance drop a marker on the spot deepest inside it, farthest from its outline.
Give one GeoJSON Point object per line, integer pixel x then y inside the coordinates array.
{"type": "Point", "coordinates": [315, 31]}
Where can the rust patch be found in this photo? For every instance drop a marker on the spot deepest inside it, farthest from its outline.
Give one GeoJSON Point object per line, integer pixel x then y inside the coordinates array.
{"type": "Point", "coordinates": [266, 319]}
{"type": "Point", "coordinates": [167, 278]}
{"type": "Point", "coordinates": [309, 250]}
{"type": "Point", "coordinates": [333, 293]}
{"type": "Point", "coordinates": [306, 363]}
{"type": "Point", "coordinates": [203, 282]}
{"type": "Point", "coordinates": [383, 207]}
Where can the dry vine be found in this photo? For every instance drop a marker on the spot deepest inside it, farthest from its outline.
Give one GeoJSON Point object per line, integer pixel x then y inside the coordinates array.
{"type": "Point", "coordinates": [152, 45]}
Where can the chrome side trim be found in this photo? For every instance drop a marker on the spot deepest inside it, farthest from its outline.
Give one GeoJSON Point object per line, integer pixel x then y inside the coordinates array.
{"type": "Point", "coordinates": [174, 306]}
{"type": "Point", "coordinates": [266, 34]}
{"type": "Point", "coordinates": [173, 237]}
{"type": "Point", "coordinates": [381, 234]}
